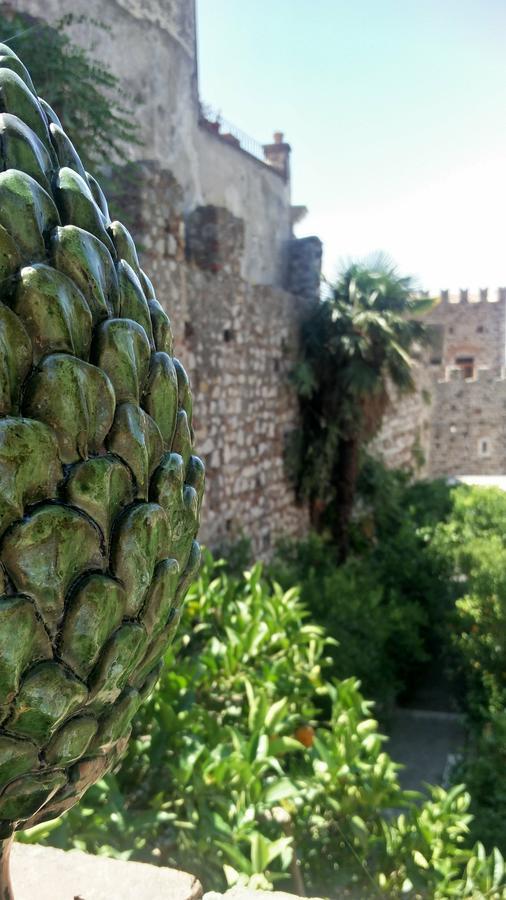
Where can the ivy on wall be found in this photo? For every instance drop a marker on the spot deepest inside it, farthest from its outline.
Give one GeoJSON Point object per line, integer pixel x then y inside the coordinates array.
{"type": "Point", "coordinates": [84, 93]}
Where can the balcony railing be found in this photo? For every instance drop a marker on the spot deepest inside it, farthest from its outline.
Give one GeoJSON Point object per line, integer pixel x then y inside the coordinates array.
{"type": "Point", "coordinates": [213, 121]}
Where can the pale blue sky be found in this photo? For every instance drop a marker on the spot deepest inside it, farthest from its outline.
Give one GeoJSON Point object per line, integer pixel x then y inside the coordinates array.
{"type": "Point", "coordinates": [396, 114]}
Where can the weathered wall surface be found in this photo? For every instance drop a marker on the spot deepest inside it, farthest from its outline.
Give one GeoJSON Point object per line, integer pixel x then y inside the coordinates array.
{"type": "Point", "coordinates": [473, 325]}
{"type": "Point", "coordinates": [468, 428]}
{"type": "Point", "coordinates": [462, 413]}
{"type": "Point", "coordinates": [252, 192]}
{"type": "Point", "coordinates": [151, 48]}
{"type": "Point", "coordinates": [239, 343]}
{"type": "Point", "coordinates": [405, 436]}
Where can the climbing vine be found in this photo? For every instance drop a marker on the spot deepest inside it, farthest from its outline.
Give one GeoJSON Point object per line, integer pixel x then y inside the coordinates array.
{"type": "Point", "coordinates": [83, 91]}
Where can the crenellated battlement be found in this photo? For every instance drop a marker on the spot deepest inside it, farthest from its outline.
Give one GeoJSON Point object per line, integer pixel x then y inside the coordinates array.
{"type": "Point", "coordinates": [464, 296]}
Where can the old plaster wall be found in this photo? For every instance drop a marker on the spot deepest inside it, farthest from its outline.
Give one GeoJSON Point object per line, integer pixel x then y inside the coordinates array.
{"type": "Point", "coordinates": [252, 192]}
{"type": "Point", "coordinates": [151, 48]}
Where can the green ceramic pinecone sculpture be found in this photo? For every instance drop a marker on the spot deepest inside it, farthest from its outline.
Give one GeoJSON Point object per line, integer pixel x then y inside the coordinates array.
{"type": "Point", "coordinates": [99, 491]}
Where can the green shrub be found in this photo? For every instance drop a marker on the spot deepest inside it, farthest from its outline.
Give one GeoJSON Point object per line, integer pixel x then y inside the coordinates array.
{"type": "Point", "coordinates": [373, 629]}
{"type": "Point", "coordinates": [389, 605]}
{"type": "Point", "coordinates": [484, 769]}
{"type": "Point", "coordinates": [249, 766]}
{"type": "Point", "coordinates": [474, 541]}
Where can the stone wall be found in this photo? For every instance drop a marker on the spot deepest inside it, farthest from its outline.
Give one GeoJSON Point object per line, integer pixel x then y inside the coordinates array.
{"type": "Point", "coordinates": [404, 439]}
{"type": "Point", "coordinates": [468, 427]}
{"type": "Point", "coordinates": [450, 415]}
{"type": "Point", "coordinates": [472, 326]}
{"type": "Point", "coordinates": [239, 343]}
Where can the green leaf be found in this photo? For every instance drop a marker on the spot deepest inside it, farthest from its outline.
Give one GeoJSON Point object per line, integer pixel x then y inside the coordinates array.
{"type": "Point", "coordinates": [259, 852]}
{"type": "Point", "coordinates": [275, 712]}
{"type": "Point", "coordinates": [420, 860]}
{"type": "Point", "coordinates": [283, 789]}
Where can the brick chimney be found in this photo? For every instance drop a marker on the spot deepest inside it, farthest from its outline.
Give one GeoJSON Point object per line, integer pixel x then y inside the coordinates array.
{"type": "Point", "coordinates": [277, 154]}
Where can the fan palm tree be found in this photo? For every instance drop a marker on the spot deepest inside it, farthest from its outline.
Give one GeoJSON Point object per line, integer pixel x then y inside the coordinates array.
{"type": "Point", "coordinates": [356, 343]}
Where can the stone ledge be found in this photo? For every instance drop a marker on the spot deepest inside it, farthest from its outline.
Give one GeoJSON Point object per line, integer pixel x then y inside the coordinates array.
{"type": "Point", "coordinates": [241, 893]}
{"type": "Point", "coordinates": [44, 873]}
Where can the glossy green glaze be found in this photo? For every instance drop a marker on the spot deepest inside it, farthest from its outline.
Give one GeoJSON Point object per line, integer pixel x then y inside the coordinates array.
{"type": "Point", "coordinates": [28, 213]}
{"type": "Point", "coordinates": [136, 439]}
{"type": "Point", "coordinates": [85, 259]}
{"type": "Point", "coordinates": [100, 494]}
{"type": "Point", "coordinates": [54, 312]}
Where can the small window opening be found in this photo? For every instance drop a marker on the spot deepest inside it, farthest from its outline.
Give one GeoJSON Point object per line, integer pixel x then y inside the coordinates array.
{"type": "Point", "coordinates": [228, 335]}
{"type": "Point", "coordinates": [466, 366]}
{"type": "Point", "coordinates": [484, 447]}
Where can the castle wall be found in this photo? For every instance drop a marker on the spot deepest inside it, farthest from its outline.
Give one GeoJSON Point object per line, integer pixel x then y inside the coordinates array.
{"type": "Point", "coordinates": [450, 416]}
{"type": "Point", "coordinates": [468, 427]}
{"type": "Point", "coordinates": [239, 343]}
{"type": "Point", "coordinates": [473, 325]}
{"type": "Point", "coordinates": [255, 193]}
{"type": "Point", "coordinates": [404, 439]}
{"type": "Point", "coordinates": [150, 46]}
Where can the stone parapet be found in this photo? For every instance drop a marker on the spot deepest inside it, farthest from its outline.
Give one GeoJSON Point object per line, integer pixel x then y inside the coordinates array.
{"type": "Point", "coordinates": [45, 873]}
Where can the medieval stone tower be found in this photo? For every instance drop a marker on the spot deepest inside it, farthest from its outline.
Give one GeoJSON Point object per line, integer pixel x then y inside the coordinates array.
{"type": "Point", "coordinates": [457, 419]}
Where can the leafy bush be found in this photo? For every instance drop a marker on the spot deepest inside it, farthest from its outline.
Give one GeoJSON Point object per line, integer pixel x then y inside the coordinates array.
{"type": "Point", "coordinates": [369, 624]}
{"type": "Point", "coordinates": [484, 768]}
{"type": "Point", "coordinates": [389, 605]}
{"type": "Point", "coordinates": [474, 541]}
{"type": "Point", "coordinates": [249, 766]}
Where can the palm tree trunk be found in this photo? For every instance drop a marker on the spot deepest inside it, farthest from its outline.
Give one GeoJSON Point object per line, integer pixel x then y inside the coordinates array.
{"type": "Point", "coordinates": [5, 878]}
{"type": "Point", "coordinates": [346, 482]}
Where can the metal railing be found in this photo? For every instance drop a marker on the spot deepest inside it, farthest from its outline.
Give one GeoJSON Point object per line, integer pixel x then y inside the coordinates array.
{"type": "Point", "coordinates": [213, 121]}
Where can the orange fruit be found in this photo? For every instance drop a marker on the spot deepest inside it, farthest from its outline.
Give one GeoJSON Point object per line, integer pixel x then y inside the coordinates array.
{"type": "Point", "coordinates": [305, 734]}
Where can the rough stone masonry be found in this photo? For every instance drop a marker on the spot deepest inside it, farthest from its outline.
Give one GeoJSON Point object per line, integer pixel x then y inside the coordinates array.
{"type": "Point", "coordinates": [456, 422]}
{"type": "Point", "coordinates": [240, 342]}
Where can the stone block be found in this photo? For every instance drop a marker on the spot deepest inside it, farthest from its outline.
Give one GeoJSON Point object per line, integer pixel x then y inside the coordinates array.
{"type": "Point", "coordinates": [44, 873]}
{"type": "Point", "coordinates": [241, 893]}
